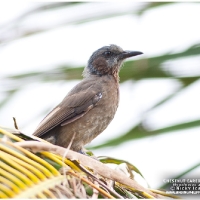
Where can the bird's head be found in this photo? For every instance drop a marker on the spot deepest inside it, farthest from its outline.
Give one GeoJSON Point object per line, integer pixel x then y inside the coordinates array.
{"type": "Point", "coordinates": [107, 60]}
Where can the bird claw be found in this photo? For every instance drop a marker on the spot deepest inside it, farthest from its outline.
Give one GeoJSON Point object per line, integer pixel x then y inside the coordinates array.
{"type": "Point", "coordinates": [84, 153]}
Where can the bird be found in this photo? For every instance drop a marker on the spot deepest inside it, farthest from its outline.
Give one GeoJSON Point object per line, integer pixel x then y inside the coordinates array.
{"type": "Point", "coordinates": [90, 106]}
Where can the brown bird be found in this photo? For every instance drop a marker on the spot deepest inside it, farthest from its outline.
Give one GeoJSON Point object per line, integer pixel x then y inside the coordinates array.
{"type": "Point", "coordinates": [90, 106]}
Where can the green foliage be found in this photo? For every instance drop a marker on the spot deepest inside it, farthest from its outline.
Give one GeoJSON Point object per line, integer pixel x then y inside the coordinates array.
{"type": "Point", "coordinates": [36, 171]}
{"type": "Point", "coordinates": [141, 69]}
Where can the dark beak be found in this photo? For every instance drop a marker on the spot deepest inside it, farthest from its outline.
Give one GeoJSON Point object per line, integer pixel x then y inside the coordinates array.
{"type": "Point", "coordinates": [128, 54]}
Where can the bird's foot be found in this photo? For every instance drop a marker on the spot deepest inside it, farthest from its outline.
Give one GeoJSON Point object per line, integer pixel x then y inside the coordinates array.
{"type": "Point", "coordinates": [83, 152]}
{"type": "Point", "coordinates": [88, 153]}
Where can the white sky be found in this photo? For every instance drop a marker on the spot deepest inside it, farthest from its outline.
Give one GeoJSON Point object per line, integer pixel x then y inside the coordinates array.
{"type": "Point", "coordinates": [171, 29]}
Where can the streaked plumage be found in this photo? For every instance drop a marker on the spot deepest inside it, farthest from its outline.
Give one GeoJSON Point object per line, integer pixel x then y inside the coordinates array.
{"type": "Point", "coordinates": [91, 105]}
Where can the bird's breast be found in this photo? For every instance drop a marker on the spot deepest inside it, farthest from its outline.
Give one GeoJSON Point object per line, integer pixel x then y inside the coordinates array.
{"type": "Point", "coordinates": [96, 120]}
{"type": "Point", "coordinates": [104, 111]}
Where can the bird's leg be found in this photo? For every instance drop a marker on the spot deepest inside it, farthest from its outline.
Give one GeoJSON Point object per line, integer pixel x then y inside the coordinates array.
{"type": "Point", "coordinates": [83, 152]}
{"type": "Point", "coordinates": [90, 154]}
{"type": "Point", "coordinates": [51, 139]}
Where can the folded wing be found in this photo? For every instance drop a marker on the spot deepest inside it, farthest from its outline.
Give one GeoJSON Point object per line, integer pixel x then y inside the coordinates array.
{"type": "Point", "coordinates": [70, 109]}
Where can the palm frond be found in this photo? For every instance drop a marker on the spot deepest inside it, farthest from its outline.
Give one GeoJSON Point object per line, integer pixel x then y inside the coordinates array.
{"type": "Point", "coordinates": [37, 169]}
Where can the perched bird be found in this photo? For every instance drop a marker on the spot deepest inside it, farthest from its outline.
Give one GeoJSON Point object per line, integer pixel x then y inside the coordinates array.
{"type": "Point", "coordinates": [90, 106]}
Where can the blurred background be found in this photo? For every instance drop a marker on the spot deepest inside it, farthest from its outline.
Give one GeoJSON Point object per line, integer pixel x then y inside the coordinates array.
{"type": "Point", "coordinates": [44, 47]}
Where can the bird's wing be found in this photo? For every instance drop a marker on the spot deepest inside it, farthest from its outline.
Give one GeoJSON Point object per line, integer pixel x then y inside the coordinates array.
{"type": "Point", "coordinates": [70, 109]}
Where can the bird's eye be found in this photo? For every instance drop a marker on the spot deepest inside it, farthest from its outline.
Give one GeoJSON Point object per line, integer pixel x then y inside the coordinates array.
{"type": "Point", "coordinates": [107, 53]}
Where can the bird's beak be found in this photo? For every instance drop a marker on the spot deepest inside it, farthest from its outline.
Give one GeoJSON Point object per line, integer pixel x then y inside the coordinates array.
{"type": "Point", "coordinates": [128, 54]}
